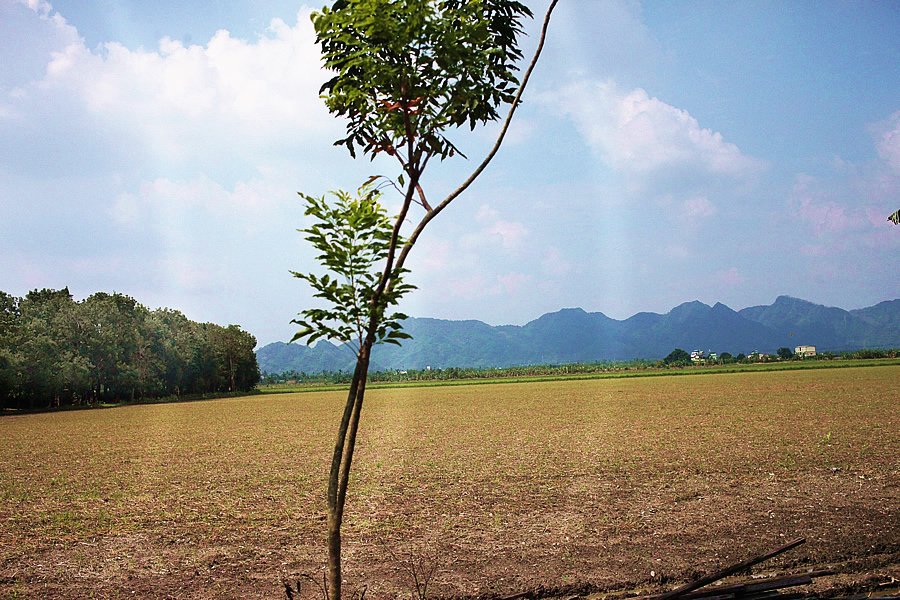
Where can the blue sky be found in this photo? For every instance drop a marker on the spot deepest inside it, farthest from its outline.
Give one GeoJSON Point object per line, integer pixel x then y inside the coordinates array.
{"type": "Point", "coordinates": [667, 152]}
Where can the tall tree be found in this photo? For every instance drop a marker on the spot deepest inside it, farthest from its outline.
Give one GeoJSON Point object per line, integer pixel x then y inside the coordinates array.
{"type": "Point", "coordinates": [406, 72]}
{"type": "Point", "coordinates": [10, 359]}
{"type": "Point", "coordinates": [45, 345]}
{"type": "Point", "coordinates": [117, 345]}
{"type": "Point", "coordinates": [678, 357]}
{"type": "Point", "coordinates": [174, 338]}
{"type": "Point", "coordinates": [235, 359]}
{"type": "Point", "coordinates": [785, 353]}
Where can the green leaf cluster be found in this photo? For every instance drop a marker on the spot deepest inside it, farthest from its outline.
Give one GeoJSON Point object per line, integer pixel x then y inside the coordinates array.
{"type": "Point", "coordinates": [407, 70]}
{"type": "Point", "coordinates": [352, 236]}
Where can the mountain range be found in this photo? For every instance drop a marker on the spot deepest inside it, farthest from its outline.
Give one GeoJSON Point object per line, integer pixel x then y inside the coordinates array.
{"type": "Point", "coordinates": [572, 335]}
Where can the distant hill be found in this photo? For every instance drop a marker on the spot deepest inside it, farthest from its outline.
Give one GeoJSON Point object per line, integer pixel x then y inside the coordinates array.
{"type": "Point", "coordinates": [573, 335]}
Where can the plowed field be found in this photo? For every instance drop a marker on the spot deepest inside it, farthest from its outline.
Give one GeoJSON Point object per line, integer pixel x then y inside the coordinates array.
{"type": "Point", "coordinates": [584, 485]}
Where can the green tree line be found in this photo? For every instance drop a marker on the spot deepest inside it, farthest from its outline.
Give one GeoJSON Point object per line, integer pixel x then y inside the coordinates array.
{"type": "Point", "coordinates": [56, 351]}
{"type": "Point", "coordinates": [457, 373]}
{"type": "Point", "coordinates": [677, 359]}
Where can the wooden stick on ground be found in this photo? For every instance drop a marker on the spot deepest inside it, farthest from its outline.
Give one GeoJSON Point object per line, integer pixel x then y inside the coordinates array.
{"type": "Point", "coordinates": [735, 568]}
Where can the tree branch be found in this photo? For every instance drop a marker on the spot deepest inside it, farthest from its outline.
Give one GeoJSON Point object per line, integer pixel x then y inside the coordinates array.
{"type": "Point", "coordinates": [389, 265]}
{"type": "Point", "coordinates": [407, 247]}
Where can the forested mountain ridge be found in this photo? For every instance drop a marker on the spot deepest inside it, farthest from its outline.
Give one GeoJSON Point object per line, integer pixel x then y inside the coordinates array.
{"type": "Point", "coordinates": [574, 335]}
{"type": "Point", "coordinates": [56, 351]}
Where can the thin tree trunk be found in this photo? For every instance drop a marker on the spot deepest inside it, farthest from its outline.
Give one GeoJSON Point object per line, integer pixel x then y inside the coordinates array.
{"type": "Point", "coordinates": [341, 461]}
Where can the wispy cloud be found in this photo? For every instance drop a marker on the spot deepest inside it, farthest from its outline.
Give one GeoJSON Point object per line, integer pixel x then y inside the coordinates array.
{"type": "Point", "coordinates": [495, 231]}
{"type": "Point", "coordinates": [636, 133]}
{"type": "Point", "coordinates": [248, 203]}
{"type": "Point", "coordinates": [887, 140]}
{"type": "Point", "coordinates": [698, 207]}
{"type": "Point", "coordinates": [811, 204]}
{"type": "Point", "coordinates": [844, 214]}
{"type": "Point", "coordinates": [45, 10]}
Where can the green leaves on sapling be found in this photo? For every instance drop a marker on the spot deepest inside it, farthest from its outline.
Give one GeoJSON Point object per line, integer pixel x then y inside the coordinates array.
{"type": "Point", "coordinates": [407, 70]}
{"type": "Point", "coordinates": [352, 236]}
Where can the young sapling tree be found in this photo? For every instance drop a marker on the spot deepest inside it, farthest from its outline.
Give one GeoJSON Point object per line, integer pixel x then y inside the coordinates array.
{"type": "Point", "coordinates": [406, 73]}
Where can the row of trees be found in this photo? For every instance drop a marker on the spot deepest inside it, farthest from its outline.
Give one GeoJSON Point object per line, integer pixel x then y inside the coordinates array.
{"type": "Point", "coordinates": [457, 373]}
{"type": "Point", "coordinates": [56, 351]}
{"type": "Point", "coordinates": [681, 358]}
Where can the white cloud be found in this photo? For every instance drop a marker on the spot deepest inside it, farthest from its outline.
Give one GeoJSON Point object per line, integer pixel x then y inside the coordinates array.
{"type": "Point", "coordinates": [848, 207]}
{"type": "Point", "coordinates": [29, 33]}
{"type": "Point", "coordinates": [636, 133]}
{"type": "Point", "coordinates": [184, 101]}
{"type": "Point", "coordinates": [837, 226]}
{"type": "Point", "coordinates": [608, 37]}
{"type": "Point", "coordinates": [698, 207]}
{"type": "Point", "coordinates": [248, 205]}
{"type": "Point", "coordinates": [61, 31]}
{"type": "Point", "coordinates": [41, 7]}
{"type": "Point", "coordinates": [486, 214]}
{"type": "Point", "coordinates": [887, 142]}
{"type": "Point", "coordinates": [509, 235]}
{"type": "Point", "coordinates": [824, 216]}
{"type": "Point", "coordinates": [685, 214]}
{"type": "Point", "coordinates": [843, 213]}
{"type": "Point", "coordinates": [194, 232]}
{"type": "Point", "coordinates": [434, 254]}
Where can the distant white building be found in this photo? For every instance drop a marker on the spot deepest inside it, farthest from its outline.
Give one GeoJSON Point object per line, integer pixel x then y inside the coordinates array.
{"type": "Point", "coordinates": [701, 356]}
{"type": "Point", "coordinates": [805, 351]}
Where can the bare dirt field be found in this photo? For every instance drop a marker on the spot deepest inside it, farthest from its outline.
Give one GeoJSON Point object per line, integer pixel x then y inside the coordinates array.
{"type": "Point", "coordinates": [584, 486]}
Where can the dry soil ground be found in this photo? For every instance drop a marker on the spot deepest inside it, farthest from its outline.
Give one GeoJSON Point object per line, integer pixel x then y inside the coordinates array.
{"type": "Point", "coordinates": [588, 485]}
